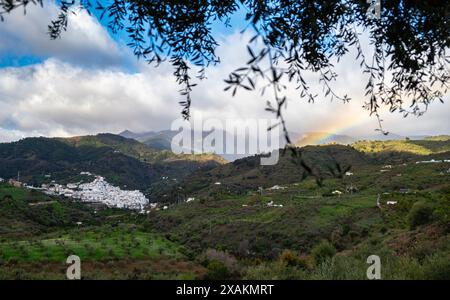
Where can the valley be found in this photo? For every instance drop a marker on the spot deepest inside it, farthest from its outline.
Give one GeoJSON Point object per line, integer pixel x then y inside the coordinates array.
{"type": "Point", "coordinates": [237, 220]}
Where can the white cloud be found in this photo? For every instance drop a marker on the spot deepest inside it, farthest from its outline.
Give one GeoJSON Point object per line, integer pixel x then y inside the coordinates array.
{"type": "Point", "coordinates": [62, 97]}
{"type": "Point", "coordinates": [55, 98]}
{"type": "Point", "coordinates": [85, 42]}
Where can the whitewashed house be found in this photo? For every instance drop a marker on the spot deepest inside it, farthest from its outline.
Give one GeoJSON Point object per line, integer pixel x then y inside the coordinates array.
{"type": "Point", "coordinates": [277, 187]}
{"type": "Point", "coordinates": [337, 192]}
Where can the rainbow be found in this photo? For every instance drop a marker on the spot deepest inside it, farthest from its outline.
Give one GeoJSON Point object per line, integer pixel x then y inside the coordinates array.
{"type": "Point", "coordinates": [338, 125]}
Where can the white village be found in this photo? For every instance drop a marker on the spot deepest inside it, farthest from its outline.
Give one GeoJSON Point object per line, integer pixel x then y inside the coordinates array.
{"type": "Point", "coordinates": [99, 191]}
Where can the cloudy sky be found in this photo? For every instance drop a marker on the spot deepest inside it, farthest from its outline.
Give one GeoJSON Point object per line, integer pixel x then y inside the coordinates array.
{"type": "Point", "coordinates": [89, 82]}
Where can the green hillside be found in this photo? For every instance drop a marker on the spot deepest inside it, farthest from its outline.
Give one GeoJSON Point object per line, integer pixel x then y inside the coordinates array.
{"type": "Point", "coordinates": [28, 212]}
{"type": "Point", "coordinates": [326, 161]}
{"type": "Point", "coordinates": [428, 146]}
{"type": "Point", "coordinates": [287, 242]}
{"type": "Point", "coordinates": [37, 157]}
{"type": "Point", "coordinates": [136, 149]}
{"type": "Point", "coordinates": [38, 233]}
{"type": "Point", "coordinates": [248, 173]}
{"type": "Point", "coordinates": [123, 162]}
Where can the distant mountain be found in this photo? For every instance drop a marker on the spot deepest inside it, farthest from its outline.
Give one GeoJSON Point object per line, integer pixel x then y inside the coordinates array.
{"type": "Point", "coordinates": [418, 137]}
{"type": "Point", "coordinates": [160, 140]}
{"type": "Point", "coordinates": [130, 164]}
{"type": "Point", "coordinates": [136, 149]}
{"type": "Point", "coordinates": [442, 137]}
{"type": "Point", "coordinates": [128, 134]}
{"type": "Point", "coordinates": [127, 146]}
{"type": "Point", "coordinates": [380, 137]}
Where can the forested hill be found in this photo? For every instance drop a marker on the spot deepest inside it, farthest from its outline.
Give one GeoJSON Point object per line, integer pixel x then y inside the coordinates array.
{"type": "Point", "coordinates": [122, 161]}
{"type": "Point", "coordinates": [326, 161]}
{"type": "Point", "coordinates": [136, 149]}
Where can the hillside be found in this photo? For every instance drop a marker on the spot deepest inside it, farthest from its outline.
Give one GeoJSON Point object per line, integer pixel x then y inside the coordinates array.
{"type": "Point", "coordinates": [431, 145]}
{"type": "Point", "coordinates": [247, 173]}
{"type": "Point", "coordinates": [442, 137]}
{"type": "Point", "coordinates": [27, 212]}
{"type": "Point", "coordinates": [297, 238]}
{"type": "Point", "coordinates": [35, 158]}
{"type": "Point", "coordinates": [40, 160]}
{"type": "Point", "coordinates": [159, 140]}
{"type": "Point", "coordinates": [38, 232]}
{"type": "Point", "coordinates": [136, 149]}
{"type": "Point", "coordinates": [162, 140]}
{"type": "Point", "coordinates": [326, 161]}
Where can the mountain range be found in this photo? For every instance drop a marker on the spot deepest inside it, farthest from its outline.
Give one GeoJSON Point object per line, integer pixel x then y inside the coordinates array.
{"type": "Point", "coordinates": [160, 174]}
{"type": "Point", "coordinates": [161, 140]}
{"type": "Point", "coordinates": [124, 162]}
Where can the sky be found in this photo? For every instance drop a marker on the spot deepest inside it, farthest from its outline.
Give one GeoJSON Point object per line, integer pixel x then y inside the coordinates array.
{"type": "Point", "coordinates": [89, 82]}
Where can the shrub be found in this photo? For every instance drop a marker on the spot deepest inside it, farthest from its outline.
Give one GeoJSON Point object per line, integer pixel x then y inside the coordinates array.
{"type": "Point", "coordinates": [288, 258]}
{"type": "Point", "coordinates": [437, 267]}
{"type": "Point", "coordinates": [223, 257]}
{"type": "Point", "coordinates": [217, 271]}
{"type": "Point", "coordinates": [421, 213]}
{"type": "Point", "coordinates": [304, 262]}
{"type": "Point", "coordinates": [322, 251]}
{"type": "Point", "coordinates": [339, 268]}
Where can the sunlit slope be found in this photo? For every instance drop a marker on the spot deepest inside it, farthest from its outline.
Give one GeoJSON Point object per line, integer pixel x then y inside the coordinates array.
{"type": "Point", "coordinates": [428, 146]}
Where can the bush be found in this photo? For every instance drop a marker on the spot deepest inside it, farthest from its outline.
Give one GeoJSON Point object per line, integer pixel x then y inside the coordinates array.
{"type": "Point", "coordinates": [288, 258]}
{"type": "Point", "coordinates": [227, 259]}
{"type": "Point", "coordinates": [421, 213]}
{"type": "Point", "coordinates": [322, 251]}
{"type": "Point", "coordinates": [304, 262]}
{"type": "Point", "coordinates": [437, 267]}
{"type": "Point", "coordinates": [217, 271]}
{"type": "Point", "coordinates": [339, 268]}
